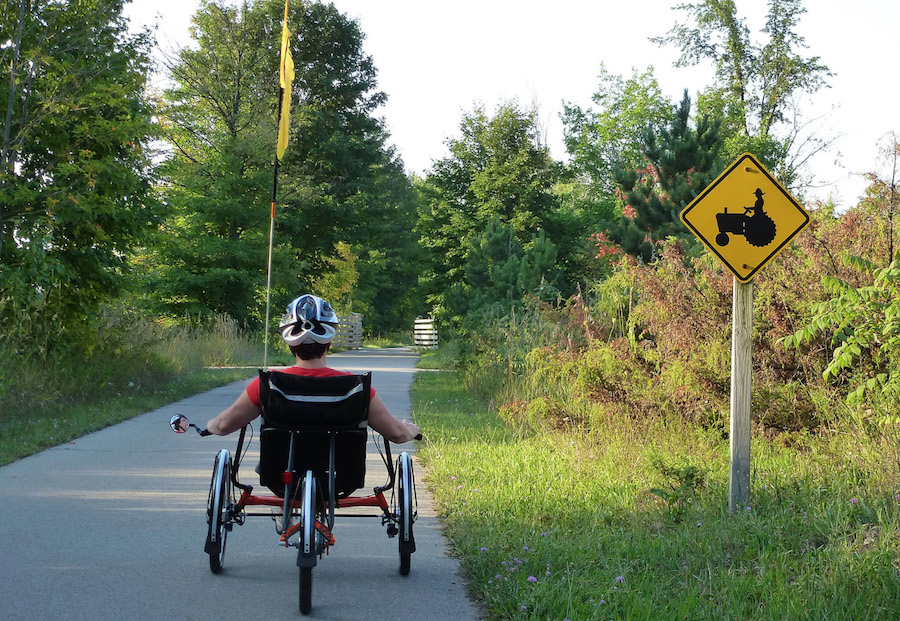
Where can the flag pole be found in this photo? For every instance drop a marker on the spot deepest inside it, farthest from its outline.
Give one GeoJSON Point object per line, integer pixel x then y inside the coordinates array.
{"type": "Point", "coordinates": [285, 77]}
{"type": "Point", "coordinates": [271, 239]}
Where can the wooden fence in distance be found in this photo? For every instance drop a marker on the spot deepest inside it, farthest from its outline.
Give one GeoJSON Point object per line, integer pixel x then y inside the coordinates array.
{"type": "Point", "coordinates": [349, 332]}
{"type": "Point", "coordinates": [425, 333]}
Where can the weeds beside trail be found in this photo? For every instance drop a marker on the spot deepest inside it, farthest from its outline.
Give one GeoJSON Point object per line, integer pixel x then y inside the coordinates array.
{"type": "Point", "coordinates": [48, 401]}
{"type": "Point", "coordinates": [137, 365]}
{"type": "Point", "coordinates": [631, 521]}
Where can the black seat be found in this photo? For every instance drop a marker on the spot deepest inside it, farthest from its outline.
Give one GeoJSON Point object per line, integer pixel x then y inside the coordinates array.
{"type": "Point", "coordinates": [308, 410]}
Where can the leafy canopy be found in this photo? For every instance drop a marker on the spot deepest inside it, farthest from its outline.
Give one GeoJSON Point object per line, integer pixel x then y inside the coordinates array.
{"type": "Point", "coordinates": [75, 185]}
{"type": "Point", "coordinates": [756, 84]}
{"type": "Point", "coordinates": [341, 189]}
{"type": "Point", "coordinates": [497, 169]}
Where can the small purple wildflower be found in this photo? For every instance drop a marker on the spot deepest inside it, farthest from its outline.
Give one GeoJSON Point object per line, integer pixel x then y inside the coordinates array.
{"type": "Point", "coordinates": [620, 579]}
{"type": "Point", "coordinates": [532, 579]}
{"type": "Point", "coordinates": [484, 549]}
{"type": "Point", "coordinates": [853, 501]}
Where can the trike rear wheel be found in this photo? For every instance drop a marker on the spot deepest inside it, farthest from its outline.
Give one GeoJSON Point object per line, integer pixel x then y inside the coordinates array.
{"type": "Point", "coordinates": [308, 548]}
{"type": "Point", "coordinates": [305, 590]}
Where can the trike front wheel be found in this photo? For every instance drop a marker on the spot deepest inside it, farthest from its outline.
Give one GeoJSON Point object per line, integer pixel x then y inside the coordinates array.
{"type": "Point", "coordinates": [217, 509]}
{"type": "Point", "coordinates": [406, 511]}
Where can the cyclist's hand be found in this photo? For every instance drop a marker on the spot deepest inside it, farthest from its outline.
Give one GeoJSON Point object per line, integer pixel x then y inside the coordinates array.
{"type": "Point", "coordinates": [414, 432]}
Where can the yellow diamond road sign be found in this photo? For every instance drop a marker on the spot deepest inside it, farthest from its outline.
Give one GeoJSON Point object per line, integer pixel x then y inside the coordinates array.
{"type": "Point", "coordinates": [745, 217]}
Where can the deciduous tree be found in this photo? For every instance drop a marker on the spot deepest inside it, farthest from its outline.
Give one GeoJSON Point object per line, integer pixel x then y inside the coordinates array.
{"type": "Point", "coordinates": [498, 169]}
{"type": "Point", "coordinates": [756, 84]}
{"type": "Point", "coordinates": [75, 186]}
{"type": "Point", "coordinates": [339, 182]}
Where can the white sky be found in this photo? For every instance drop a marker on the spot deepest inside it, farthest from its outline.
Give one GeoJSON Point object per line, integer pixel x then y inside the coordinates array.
{"type": "Point", "coordinates": [437, 60]}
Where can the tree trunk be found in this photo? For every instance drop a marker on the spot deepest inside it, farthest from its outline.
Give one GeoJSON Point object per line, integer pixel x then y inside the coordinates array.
{"type": "Point", "coordinates": [6, 163]}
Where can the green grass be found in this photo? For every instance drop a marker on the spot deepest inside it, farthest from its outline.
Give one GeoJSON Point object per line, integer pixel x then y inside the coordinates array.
{"type": "Point", "coordinates": [49, 401]}
{"type": "Point", "coordinates": [40, 428]}
{"type": "Point", "coordinates": [396, 339]}
{"type": "Point", "coordinates": [631, 522]}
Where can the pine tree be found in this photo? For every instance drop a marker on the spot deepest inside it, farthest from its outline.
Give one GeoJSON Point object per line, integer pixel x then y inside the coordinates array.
{"type": "Point", "coordinates": [500, 271]}
{"type": "Point", "coordinates": [681, 160]}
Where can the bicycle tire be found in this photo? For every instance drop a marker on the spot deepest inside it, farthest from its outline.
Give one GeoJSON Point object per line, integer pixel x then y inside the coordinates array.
{"type": "Point", "coordinates": [216, 511]}
{"type": "Point", "coordinates": [406, 512]}
{"type": "Point", "coordinates": [305, 590]}
{"type": "Point", "coordinates": [307, 553]}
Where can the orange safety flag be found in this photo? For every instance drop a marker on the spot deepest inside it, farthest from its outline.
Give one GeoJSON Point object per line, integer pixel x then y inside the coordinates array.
{"type": "Point", "coordinates": [286, 76]}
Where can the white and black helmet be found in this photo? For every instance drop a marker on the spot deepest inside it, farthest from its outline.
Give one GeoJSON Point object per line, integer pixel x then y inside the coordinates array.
{"type": "Point", "coordinates": [308, 319]}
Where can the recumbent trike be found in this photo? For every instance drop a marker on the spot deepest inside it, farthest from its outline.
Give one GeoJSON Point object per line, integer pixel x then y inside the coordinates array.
{"type": "Point", "coordinates": [312, 458]}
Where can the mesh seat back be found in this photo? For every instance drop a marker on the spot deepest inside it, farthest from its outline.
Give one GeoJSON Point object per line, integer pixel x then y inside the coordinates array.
{"type": "Point", "coordinates": [310, 407]}
{"type": "Point", "coordinates": [301, 403]}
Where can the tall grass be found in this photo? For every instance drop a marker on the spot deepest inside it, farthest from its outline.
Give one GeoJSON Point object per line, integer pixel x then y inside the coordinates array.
{"type": "Point", "coordinates": [630, 521]}
{"type": "Point", "coordinates": [134, 365]}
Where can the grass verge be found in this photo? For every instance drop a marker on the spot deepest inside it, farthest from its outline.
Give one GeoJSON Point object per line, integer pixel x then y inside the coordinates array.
{"type": "Point", "coordinates": [45, 427]}
{"type": "Point", "coordinates": [631, 522]}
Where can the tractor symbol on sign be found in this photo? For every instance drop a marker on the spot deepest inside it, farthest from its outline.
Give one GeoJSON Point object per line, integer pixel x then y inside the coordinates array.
{"type": "Point", "coordinates": [754, 224]}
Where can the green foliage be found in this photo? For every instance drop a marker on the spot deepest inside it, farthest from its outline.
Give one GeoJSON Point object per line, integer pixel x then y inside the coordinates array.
{"type": "Point", "coordinates": [654, 340]}
{"type": "Point", "coordinates": [756, 83]}
{"type": "Point", "coordinates": [75, 193]}
{"type": "Point", "coordinates": [858, 321]}
{"type": "Point", "coordinates": [683, 476]}
{"type": "Point", "coordinates": [497, 170]}
{"type": "Point", "coordinates": [680, 162]}
{"type": "Point", "coordinates": [211, 254]}
{"type": "Point", "coordinates": [599, 141]}
{"type": "Point", "coordinates": [338, 282]}
{"type": "Point", "coordinates": [557, 525]}
{"type": "Point", "coordinates": [865, 326]}
{"type": "Point", "coordinates": [338, 182]}
{"type": "Point", "coordinates": [499, 272]}
{"type": "Point", "coordinates": [136, 365]}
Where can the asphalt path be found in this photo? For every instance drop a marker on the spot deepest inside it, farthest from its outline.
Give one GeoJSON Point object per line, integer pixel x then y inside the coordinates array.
{"type": "Point", "coordinates": [112, 526]}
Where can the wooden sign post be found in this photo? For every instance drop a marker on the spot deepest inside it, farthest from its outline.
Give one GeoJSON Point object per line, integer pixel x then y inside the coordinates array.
{"type": "Point", "coordinates": [741, 387]}
{"type": "Point", "coordinates": [763, 218]}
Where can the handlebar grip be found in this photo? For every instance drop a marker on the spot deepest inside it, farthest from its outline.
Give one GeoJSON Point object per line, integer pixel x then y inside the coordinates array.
{"type": "Point", "coordinates": [205, 432]}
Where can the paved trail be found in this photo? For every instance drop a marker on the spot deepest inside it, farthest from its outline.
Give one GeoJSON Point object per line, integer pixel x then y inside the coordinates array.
{"type": "Point", "coordinates": [111, 526]}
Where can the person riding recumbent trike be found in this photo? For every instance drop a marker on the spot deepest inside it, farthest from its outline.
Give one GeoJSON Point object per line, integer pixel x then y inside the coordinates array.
{"type": "Point", "coordinates": [312, 458]}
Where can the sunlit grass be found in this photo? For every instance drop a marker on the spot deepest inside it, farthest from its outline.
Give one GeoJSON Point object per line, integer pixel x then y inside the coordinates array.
{"type": "Point", "coordinates": [558, 525]}
{"type": "Point", "coordinates": [47, 402]}
{"type": "Point", "coordinates": [395, 339]}
{"type": "Point", "coordinates": [43, 427]}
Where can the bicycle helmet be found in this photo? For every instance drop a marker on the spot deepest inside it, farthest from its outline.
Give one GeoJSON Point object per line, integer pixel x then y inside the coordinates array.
{"type": "Point", "coordinates": [308, 319]}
